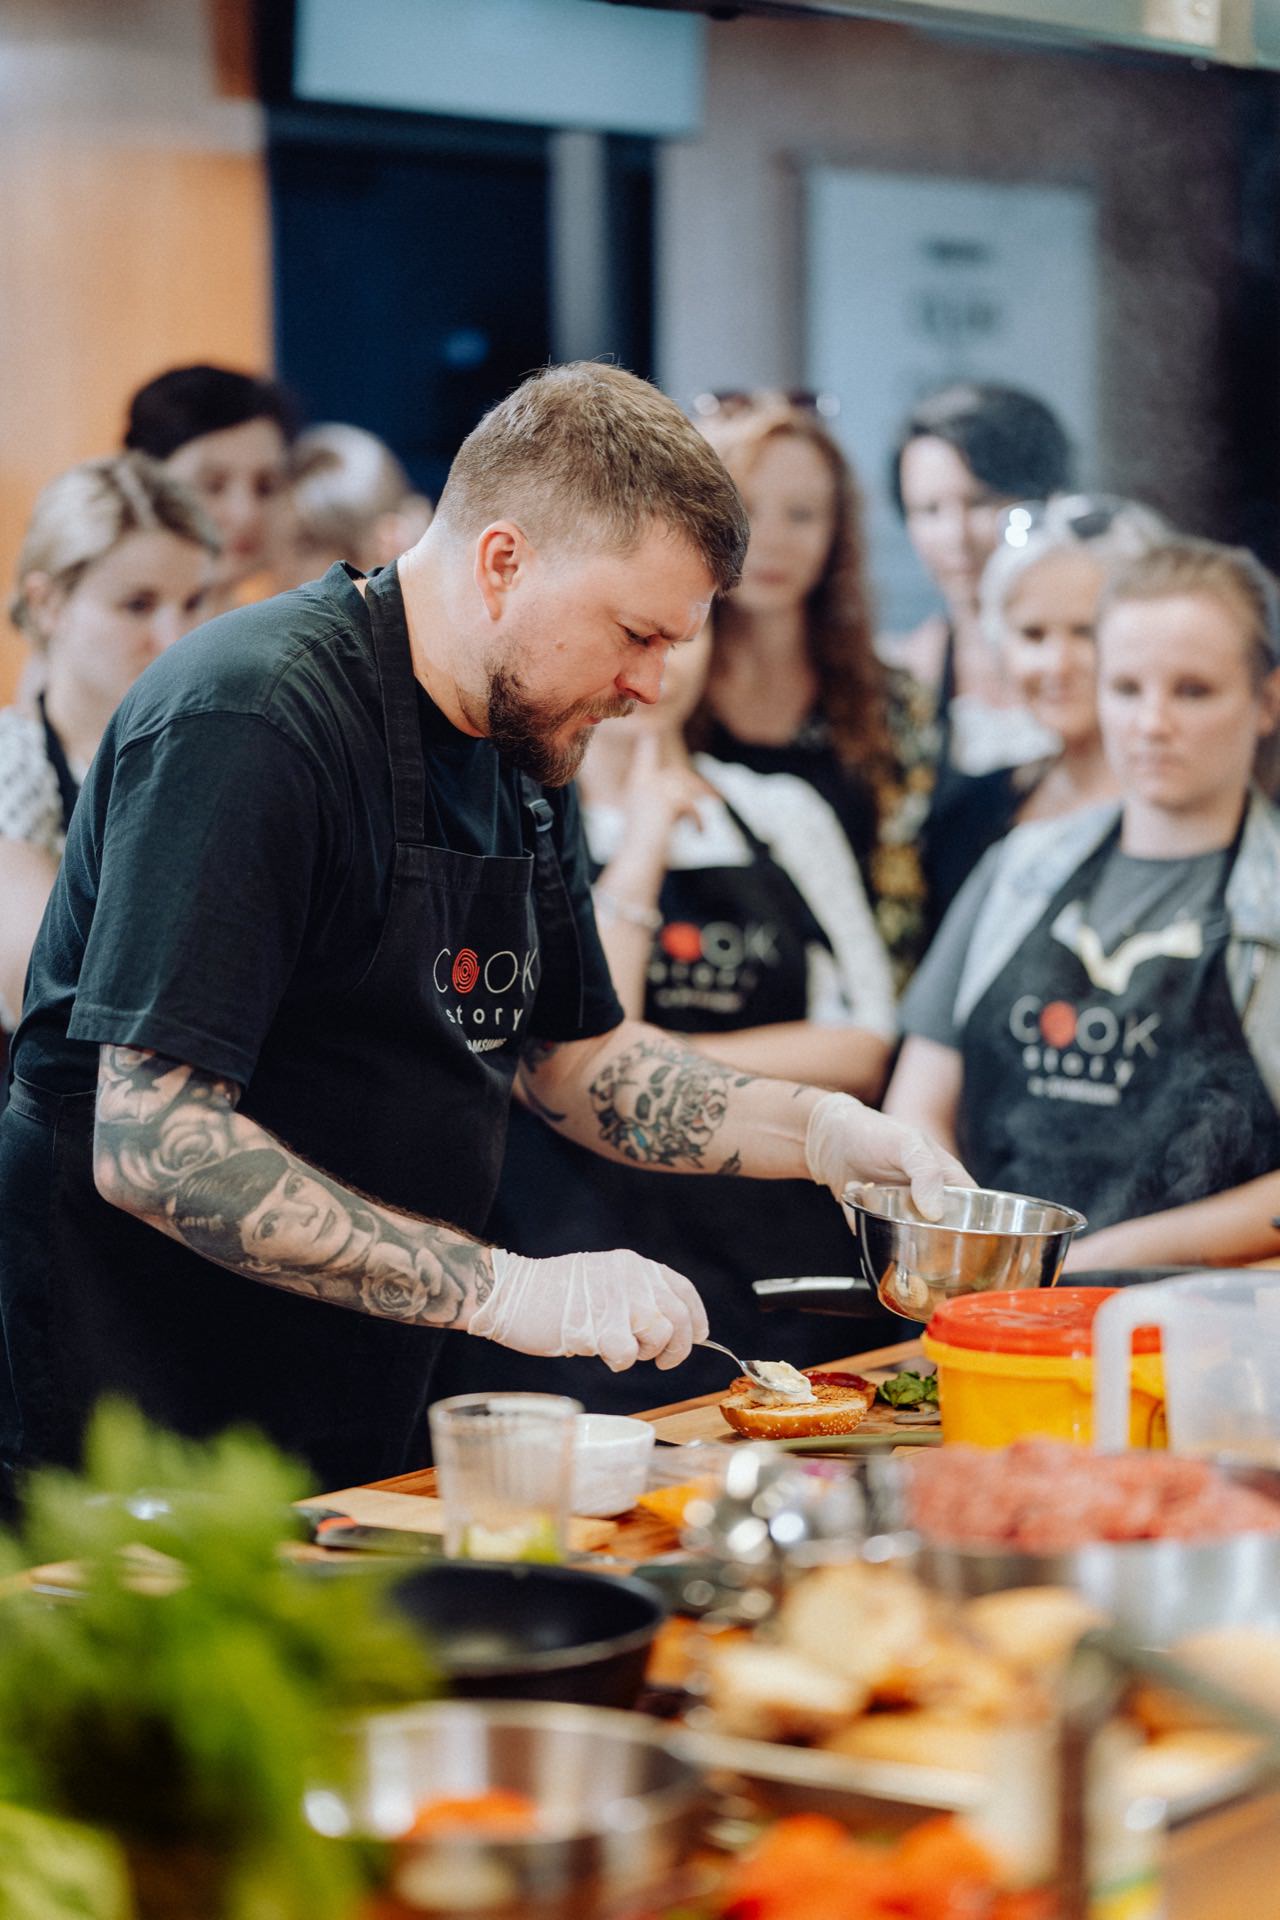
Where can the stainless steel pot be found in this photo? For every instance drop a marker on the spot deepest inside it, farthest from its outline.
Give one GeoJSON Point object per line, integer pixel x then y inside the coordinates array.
{"type": "Point", "coordinates": [986, 1242]}
{"type": "Point", "coordinates": [618, 1809]}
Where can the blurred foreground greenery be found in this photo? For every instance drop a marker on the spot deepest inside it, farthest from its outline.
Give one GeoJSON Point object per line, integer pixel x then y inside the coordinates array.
{"type": "Point", "coordinates": [181, 1710]}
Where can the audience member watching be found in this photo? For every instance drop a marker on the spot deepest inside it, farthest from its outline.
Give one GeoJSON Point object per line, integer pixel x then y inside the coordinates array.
{"type": "Point", "coordinates": [225, 435]}
{"type": "Point", "coordinates": [1098, 1021]}
{"type": "Point", "coordinates": [964, 456]}
{"type": "Point", "coordinates": [731, 911]}
{"type": "Point", "coordinates": [116, 564]}
{"type": "Point", "coordinates": [796, 686]}
{"type": "Point", "coordinates": [350, 499]}
{"type": "Point", "coordinates": [1039, 602]}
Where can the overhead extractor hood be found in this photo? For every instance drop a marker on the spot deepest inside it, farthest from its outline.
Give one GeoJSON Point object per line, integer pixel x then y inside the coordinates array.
{"type": "Point", "coordinates": [1241, 32]}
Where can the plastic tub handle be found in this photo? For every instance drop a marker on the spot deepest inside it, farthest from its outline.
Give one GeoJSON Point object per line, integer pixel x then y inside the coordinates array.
{"type": "Point", "coordinates": [1113, 1330]}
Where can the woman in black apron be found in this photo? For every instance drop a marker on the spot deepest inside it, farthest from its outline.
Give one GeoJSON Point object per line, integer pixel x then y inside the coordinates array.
{"type": "Point", "coordinates": [1122, 1055]}
{"type": "Point", "coordinates": [729, 951]}
{"type": "Point", "coordinates": [796, 686]}
{"type": "Point", "coordinates": [114, 567]}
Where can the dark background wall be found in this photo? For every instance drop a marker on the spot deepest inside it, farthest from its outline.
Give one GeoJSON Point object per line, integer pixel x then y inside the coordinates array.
{"type": "Point", "coordinates": [1182, 162]}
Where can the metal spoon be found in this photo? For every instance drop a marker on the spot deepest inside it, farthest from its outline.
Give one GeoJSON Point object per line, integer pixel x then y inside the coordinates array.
{"type": "Point", "coordinates": [752, 1370]}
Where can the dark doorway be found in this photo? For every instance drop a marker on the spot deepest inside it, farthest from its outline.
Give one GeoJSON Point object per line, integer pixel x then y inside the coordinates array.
{"type": "Point", "coordinates": [411, 272]}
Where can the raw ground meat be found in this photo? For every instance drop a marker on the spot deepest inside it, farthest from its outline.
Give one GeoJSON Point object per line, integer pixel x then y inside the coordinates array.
{"type": "Point", "coordinates": [1044, 1496]}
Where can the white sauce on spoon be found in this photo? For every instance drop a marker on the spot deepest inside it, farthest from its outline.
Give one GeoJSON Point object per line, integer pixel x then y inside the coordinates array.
{"type": "Point", "coordinates": [779, 1376]}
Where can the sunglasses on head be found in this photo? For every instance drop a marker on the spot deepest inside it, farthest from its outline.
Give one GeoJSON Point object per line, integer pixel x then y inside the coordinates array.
{"type": "Point", "coordinates": [741, 399]}
{"type": "Point", "coordinates": [1087, 516]}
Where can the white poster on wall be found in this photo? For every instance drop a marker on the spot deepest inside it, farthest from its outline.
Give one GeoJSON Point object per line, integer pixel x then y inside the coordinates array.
{"type": "Point", "coordinates": [913, 282]}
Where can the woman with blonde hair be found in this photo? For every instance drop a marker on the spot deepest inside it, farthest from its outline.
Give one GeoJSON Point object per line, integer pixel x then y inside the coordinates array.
{"type": "Point", "coordinates": [796, 686]}
{"type": "Point", "coordinates": [116, 564]}
{"type": "Point", "coordinates": [1039, 601]}
{"type": "Point", "coordinates": [1098, 1021]}
{"type": "Point", "coordinates": [349, 499]}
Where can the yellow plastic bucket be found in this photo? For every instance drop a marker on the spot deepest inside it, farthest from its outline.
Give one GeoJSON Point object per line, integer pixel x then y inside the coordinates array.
{"type": "Point", "coordinates": [1013, 1365]}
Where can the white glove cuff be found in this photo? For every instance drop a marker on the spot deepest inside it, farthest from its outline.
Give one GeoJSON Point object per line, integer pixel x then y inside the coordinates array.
{"type": "Point", "coordinates": [822, 1134]}
{"type": "Point", "coordinates": [486, 1322]}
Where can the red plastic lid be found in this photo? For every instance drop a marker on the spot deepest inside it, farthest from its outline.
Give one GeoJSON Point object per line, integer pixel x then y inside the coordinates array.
{"type": "Point", "coordinates": [1054, 1320]}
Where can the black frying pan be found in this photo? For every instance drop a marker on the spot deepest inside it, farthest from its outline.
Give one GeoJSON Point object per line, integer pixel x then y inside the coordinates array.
{"type": "Point", "coordinates": [528, 1632]}
{"type": "Point", "coordinates": [850, 1295]}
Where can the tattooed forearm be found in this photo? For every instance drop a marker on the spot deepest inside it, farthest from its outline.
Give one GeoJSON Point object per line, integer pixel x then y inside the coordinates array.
{"type": "Point", "coordinates": [660, 1104]}
{"type": "Point", "coordinates": [646, 1097]}
{"type": "Point", "coordinates": [170, 1147]}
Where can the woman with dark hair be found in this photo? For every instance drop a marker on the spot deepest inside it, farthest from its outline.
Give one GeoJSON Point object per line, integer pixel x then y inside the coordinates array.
{"type": "Point", "coordinates": [964, 456]}
{"type": "Point", "coordinates": [226, 435]}
{"type": "Point", "coordinates": [795, 685]}
{"type": "Point", "coordinates": [1098, 1020]}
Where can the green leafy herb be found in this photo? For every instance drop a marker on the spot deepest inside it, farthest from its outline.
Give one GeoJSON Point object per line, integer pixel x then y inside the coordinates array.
{"type": "Point", "coordinates": [906, 1389]}
{"type": "Point", "coordinates": [186, 1712]}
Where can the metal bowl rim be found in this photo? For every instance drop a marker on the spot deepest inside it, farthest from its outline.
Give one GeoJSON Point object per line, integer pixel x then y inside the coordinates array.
{"type": "Point", "coordinates": [553, 1659]}
{"type": "Point", "coordinates": [668, 1800]}
{"type": "Point", "coordinates": [1073, 1221]}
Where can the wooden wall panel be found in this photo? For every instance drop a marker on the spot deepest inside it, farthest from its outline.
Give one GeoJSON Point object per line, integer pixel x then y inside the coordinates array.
{"type": "Point", "coordinates": [118, 262]}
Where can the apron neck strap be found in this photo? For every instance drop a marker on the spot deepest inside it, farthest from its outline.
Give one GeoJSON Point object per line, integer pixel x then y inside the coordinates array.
{"type": "Point", "coordinates": [385, 601]}
{"type": "Point", "coordinates": [557, 920]}
{"type": "Point", "coordinates": [68, 785]}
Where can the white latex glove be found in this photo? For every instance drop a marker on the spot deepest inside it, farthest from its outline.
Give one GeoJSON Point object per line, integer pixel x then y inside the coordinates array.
{"type": "Point", "coordinates": [617, 1305]}
{"type": "Point", "coordinates": [846, 1141]}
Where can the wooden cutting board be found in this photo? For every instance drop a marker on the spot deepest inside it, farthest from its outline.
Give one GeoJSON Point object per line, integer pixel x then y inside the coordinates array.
{"type": "Point", "coordinates": [423, 1513]}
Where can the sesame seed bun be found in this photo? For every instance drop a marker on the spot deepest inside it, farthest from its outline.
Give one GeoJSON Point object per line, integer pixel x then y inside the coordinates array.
{"type": "Point", "coordinates": [833, 1409]}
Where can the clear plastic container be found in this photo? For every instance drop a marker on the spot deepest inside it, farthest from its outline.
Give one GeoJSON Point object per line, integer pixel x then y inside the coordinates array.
{"type": "Point", "coordinates": [1221, 1339]}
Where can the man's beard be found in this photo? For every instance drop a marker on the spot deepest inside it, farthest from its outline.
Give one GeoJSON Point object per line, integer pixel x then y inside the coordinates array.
{"type": "Point", "coordinates": [527, 732]}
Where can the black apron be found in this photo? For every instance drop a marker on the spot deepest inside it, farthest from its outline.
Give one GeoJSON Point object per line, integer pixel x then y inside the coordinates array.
{"type": "Point", "coordinates": [1119, 1103]}
{"type": "Point", "coordinates": [731, 953]}
{"type": "Point", "coordinates": [68, 794]}
{"type": "Point", "coordinates": [400, 1088]}
{"type": "Point", "coordinates": [968, 812]}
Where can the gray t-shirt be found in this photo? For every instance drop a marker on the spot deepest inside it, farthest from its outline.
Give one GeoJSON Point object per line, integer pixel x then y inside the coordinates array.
{"type": "Point", "coordinates": [1129, 896]}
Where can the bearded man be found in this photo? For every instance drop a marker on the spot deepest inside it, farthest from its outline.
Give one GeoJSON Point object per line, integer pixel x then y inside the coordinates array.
{"type": "Point", "coordinates": [324, 896]}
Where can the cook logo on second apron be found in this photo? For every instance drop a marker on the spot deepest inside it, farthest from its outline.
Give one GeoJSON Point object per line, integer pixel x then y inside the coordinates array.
{"type": "Point", "coordinates": [714, 968]}
{"type": "Point", "coordinates": [1088, 1053]}
{"type": "Point", "coordinates": [487, 995]}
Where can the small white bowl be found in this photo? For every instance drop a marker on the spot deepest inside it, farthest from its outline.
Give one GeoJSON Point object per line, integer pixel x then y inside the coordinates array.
{"type": "Point", "coordinates": [610, 1463]}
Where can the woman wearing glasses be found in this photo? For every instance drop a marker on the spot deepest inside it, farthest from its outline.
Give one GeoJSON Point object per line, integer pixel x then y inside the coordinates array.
{"type": "Point", "coordinates": [795, 685]}
{"type": "Point", "coordinates": [1039, 604]}
{"type": "Point", "coordinates": [1098, 1021]}
{"type": "Point", "coordinates": [963, 457]}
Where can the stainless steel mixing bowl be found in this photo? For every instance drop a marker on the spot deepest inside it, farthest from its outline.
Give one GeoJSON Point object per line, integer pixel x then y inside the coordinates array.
{"type": "Point", "coordinates": [986, 1242]}
{"type": "Point", "coordinates": [618, 1807]}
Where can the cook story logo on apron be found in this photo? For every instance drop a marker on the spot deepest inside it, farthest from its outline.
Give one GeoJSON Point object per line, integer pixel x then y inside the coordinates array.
{"type": "Point", "coordinates": [712, 968]}
{"type": "Point", "coordinates": [486, 994]}
{"type": "Point", "coordinates": [1090, 1051]}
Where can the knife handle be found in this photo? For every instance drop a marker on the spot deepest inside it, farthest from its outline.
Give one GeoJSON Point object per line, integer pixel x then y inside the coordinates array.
{"type": "Point", "coordinates": [840, 1293]}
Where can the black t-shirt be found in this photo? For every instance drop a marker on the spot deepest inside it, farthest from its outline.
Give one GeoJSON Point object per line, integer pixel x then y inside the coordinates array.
{"type": "Point", "coordinates": [232, 850]}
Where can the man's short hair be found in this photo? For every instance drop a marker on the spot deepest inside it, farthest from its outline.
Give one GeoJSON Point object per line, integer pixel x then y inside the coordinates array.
{"type": "Point", "coordinates": [212, 1203]}
{"type": "Point", "coordinates": [588, 447]}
